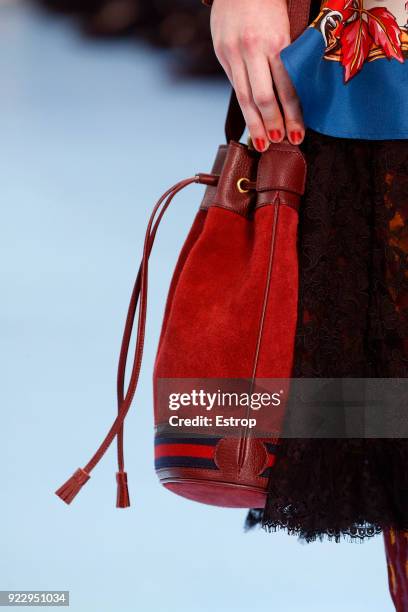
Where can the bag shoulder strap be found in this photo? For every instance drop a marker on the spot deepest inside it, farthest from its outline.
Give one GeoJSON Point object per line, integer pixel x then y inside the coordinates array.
{"type": "Point", "coordinates": [299, 19]}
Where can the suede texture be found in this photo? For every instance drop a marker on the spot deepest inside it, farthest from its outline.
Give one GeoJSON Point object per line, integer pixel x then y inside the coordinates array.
{"type": "Point", "coordinates": [215, 303]}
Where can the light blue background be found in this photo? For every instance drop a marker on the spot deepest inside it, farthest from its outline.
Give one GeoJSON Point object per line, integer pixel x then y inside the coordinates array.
{"type": "Point", "coordinates": [91, 134]}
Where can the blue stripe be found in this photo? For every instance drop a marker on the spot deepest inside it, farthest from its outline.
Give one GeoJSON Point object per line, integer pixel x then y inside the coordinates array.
{"type": "Point", "coordinates": [194, 462]}
{"type": "Point", "coordinates": [271, 448]}
{"type": "Point", "coordinates": [174, 440]}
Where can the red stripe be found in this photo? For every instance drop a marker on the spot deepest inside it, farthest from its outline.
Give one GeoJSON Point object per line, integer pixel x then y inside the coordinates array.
{"type": "Point", "coordinates": [271, 460]}
{"type": "Point", "coordinates": [184, 450]}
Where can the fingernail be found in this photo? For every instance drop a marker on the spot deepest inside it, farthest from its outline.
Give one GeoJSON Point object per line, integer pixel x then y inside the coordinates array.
{"type": "Point", "coordinates": [275, 135]}
{"type": "Point", "coordinates": [260, 144]}
{"type": "Point", "coordinates": [296, 137]}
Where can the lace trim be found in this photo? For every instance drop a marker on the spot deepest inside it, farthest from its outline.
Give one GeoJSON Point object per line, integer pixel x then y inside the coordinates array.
{"type": "Point", "coordinates": [352, 322]}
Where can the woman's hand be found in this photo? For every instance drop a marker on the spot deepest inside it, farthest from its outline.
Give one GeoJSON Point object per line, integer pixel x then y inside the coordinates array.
{"type": "Point", "coordinates": [248, 36]}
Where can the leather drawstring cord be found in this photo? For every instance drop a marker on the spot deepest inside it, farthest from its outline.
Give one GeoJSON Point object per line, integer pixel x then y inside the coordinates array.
{"type": "Point", "coordinates": [73, 485]}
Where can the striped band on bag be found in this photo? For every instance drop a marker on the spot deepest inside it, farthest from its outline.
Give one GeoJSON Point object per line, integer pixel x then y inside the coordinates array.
{"type": "Point", "coordinates": [196, 452]}
{"type": "Point", "coordinates": [185, 452]}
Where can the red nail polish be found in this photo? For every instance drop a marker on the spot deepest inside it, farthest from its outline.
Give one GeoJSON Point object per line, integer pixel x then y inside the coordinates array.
{"type": "Point", "coordinates": [260, 144]}
{"type": "Point", "coordinates": [296, 137]}
{"type": "Point", "coordinates": [275, 134]}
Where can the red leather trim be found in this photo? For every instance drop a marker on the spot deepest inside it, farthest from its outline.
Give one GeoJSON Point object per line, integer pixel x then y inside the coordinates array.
{"type": "Point", "coordinates": [220, 494]}
{"type": "Point", "coordinates": [282, 168]}
{"type": "Point", "coordinates": [218, 164]}
{"type": "Point", "coordinates": [278, 176]}
{"type": "Point", "coordinates": [254, 481]}
{"type": "Point", "coordinates": [240, 162]}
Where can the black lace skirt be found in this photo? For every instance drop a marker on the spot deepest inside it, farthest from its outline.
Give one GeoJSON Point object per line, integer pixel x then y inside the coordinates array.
{"type": "Point", "coordinates": [352, 322]}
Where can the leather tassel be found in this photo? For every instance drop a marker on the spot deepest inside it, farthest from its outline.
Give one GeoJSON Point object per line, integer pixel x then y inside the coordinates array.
{"type": "Point", "coordinates": [73, 485]}
{"type": "Point", "coordinates": [139, 299]}
{"type": "Point", "coordinates": [122, 499]}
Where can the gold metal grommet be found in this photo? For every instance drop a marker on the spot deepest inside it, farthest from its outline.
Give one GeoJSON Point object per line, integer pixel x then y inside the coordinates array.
{"type": "Point", "coordinates": [240, 183]}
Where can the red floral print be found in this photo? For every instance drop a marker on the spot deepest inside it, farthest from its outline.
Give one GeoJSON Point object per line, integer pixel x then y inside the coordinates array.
{"type": "Point", "coordinates": [359, 30]}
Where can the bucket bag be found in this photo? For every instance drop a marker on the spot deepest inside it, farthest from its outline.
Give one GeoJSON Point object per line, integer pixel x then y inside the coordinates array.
{"type": "Point", "coordinates": [230, 315]}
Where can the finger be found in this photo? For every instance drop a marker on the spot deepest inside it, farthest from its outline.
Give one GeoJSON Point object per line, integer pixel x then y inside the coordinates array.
{"type": "Point", "coordinates": [260, 77]}
{"type": "Point", "coordinates": [229, 57]}
{"type": "Point", "coordinates": [253, 118]}
{"type": "Point", "coordinates": [294, 125]}
{"type": "Point", "coordinates": [224, 61]}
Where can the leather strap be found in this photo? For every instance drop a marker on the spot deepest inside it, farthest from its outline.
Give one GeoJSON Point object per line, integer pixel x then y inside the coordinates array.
{"type": "Point", "coordinates": [68, 491]}
{"type": "Point", "coordinates": [299, 19]}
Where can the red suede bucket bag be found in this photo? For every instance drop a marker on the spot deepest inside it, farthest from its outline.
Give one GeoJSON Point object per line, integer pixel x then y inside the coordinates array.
{"type": "Point", "coordinates": [230, 314]}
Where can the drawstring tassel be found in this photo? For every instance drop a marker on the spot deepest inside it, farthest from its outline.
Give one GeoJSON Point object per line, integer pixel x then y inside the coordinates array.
{"type": "Point", "coordinates": [122, 498]}
{"type": "Point", "coordinates": [72, 487]}
{"type": "Point", "coordinates": [139, 299]}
